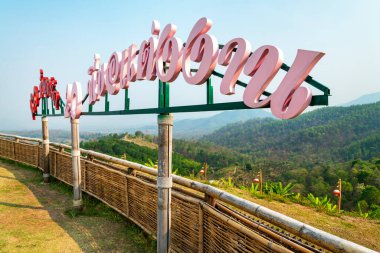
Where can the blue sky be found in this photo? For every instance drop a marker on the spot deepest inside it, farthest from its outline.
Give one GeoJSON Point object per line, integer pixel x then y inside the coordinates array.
{"type": "Point", "coordinates": [62, 36]}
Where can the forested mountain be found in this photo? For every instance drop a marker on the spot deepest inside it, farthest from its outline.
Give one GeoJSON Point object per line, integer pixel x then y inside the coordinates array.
{"type": "Point", "coordinates": [334, 134]}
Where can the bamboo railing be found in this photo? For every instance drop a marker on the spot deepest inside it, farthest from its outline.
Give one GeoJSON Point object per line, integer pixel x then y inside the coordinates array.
{"type": "Point", "coordinates": [204, 218]}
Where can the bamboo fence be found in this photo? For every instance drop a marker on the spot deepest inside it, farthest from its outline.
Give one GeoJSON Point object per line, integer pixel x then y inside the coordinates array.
{"type": "Point", "coordinates": [204, 218]}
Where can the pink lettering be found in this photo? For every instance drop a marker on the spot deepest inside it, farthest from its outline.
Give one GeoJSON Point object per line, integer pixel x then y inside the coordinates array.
{"type": "Point", "coordinates": [243, 49]}
{"type": "Point", "coordinates": [200, 47]}
{"type": "Point", "coordinates": [73, 106]}
{"type": "Point", "coordinates": [113, 74]}
{"type": "Point", "coordinates": [169, 51]}
{"type": "Point", "coordinates": [289, 100]}
{"type": "Point", "coordinates": [262, 66]}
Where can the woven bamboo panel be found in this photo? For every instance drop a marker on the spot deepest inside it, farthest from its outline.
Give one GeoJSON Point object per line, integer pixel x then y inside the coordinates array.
{"type": "Point", "coordinates": [26, 153]}
{"type": "Point", "coordinates": [106, 184]}
{"type": "Point", "coordinates": [185, 225]}
{"type": "Point", "coordinates": [53, 162]}
{"type": "Point", "coordinates": [63, 168]}
{"type": "Point", "coordinates": [219, 236]}
{"type": "Point", "coordinates": [83, 164]}
{"type": "Point", "coordinates": [40, 154]}
{"type": "Point", "coordinates": [142, 203]}
{"type": "Point", "coordinates": [6, 148]}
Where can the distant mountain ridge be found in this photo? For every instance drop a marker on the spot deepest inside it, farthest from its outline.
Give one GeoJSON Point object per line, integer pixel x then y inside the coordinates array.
{"type": "Point", "coordinates": [199, 127]}
{"type": "Point", "coordinates": [365, 99]}
{"type": "Point", "coordinates": [192, 128]}
{"type": "Point", "coordinates": [55, 135]}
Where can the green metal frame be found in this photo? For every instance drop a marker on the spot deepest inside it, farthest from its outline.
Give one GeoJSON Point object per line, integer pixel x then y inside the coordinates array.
{"type": "Point", "coordinates": [164, 100]}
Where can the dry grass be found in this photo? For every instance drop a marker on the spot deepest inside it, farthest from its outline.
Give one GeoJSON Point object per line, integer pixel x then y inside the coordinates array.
{"type": "Point", "coordinates": [141, 142]}
{"type": "Point", "coordinates": [34, 218]}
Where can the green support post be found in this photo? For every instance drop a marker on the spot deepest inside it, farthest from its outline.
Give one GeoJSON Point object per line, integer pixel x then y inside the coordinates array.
{"type": "Point", "coordinates": [160, 95]}
{"type": "Point", "coordinates": [89, 108]}
{"type": "Point", "coordinates": [43, 107]}
{"type": "Point", "coordinates": [52, 107]}
{"type": "Point", "coordinates": [166, 89]}
{"type": "Point", "coordinates": [126, 100]}
{"type": "Point", "coordinates": [47, 106]}
{"type": "Point", "coordinates": [107, 104]}
{"type": "Point", "coordinates": [210, 92]}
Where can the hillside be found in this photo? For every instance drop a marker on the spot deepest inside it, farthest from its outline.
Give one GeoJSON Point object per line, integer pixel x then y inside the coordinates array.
{"type": "Point", "coordinates": [333, 134]}
{"type": "Point", "coordinates": [116, 145]}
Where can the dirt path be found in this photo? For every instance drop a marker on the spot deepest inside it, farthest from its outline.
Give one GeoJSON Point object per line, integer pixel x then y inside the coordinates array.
{"type": "Point", "coordinates": [33, 219]}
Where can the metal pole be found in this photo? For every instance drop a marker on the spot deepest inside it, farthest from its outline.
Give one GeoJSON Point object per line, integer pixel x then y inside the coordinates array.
{"type": "Point", "coordinates": [75, 154]}
{"type": "Point", "coordinates": [261, 182]}
{"type": "Point", "coordinates": [340, 194]}
{"type": "Point", "coordinates": [45, 150]}
{"type": "Point", "coordinates": [164, 182]}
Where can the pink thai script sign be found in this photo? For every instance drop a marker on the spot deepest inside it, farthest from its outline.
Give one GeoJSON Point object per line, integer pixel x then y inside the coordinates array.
{"type": "Point", "coordinates": [46, 89]}
{"type": "Point", "coordinates": [164, 56]}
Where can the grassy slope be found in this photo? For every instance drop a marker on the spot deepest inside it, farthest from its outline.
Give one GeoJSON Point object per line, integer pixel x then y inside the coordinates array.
{"type": "Point", "coordinates": [34, 218]}
{"type": "Point", "coordinates": [362, 231]}
{"type": "Point", "coordinates": [141, 142]}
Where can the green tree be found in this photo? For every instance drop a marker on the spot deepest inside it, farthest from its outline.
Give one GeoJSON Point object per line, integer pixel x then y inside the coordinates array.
{"type": "Point", "coordinates": [371, 195]}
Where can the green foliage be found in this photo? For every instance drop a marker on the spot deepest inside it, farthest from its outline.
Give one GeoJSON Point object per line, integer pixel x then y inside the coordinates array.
{"type": "Point", "coordinates": [139, 134]}
{"type": "Point", "coordinates": [321, 203]}
{"type": "Point", "coordinates": [283, 191]}
{"type": "Point", "coordinates": [371, 195]}
{"type": "Point", "coordinates": [150, 163]}
{"type": "Point", "coordinates": [361, 213]}
{"type": "Point", "coordinates": [175, 172]}
{"type": "Point", "coordinates": [278, 188]}
{"type": "Point", "coordinates": [254, 189]}
{"type": "Point", "coordinates": [226, 183]}
{"type": "Point", "coordinates": [114, 145]}
{"type": "Point", "coordinates": [374, 212]}
{"type": "Point", "coordinates": [298, 198]}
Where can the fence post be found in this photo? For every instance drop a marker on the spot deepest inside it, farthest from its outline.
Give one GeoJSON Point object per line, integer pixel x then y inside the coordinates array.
{"type": "Point", "coordinates": [75, 155]}
{"type": "Point", "coordinates": [164, 182]}
{"type": "Point", "coordinates": [45, 150]}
